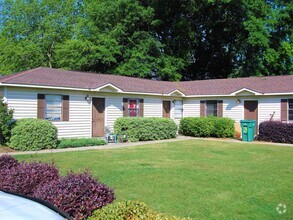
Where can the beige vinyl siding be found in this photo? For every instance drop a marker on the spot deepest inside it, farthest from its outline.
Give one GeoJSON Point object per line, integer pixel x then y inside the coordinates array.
{"type": "Point", "coordinates": [267, 107]}
{"type": "Point", "coordinates": [191, 108]}
{"type": "Point", "coordinates": [113, 110]}
{"type": "Point", "coordinates": [24, 103]}
{"type": "Point", "coordinates": [153, 107]}
{"type": "Point", "coordinates": [79, 124]}
{"type": "Point", "coordinates": [233, 110]}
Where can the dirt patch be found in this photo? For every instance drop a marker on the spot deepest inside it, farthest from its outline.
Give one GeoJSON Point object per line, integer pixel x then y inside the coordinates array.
{"type": "Point", "coordinates": [6, 149]}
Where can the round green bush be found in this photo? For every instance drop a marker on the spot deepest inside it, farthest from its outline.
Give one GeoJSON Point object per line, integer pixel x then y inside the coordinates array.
{"type": "Point", "coordinates": [33, 134]}
{"type": "Point", "coordinates": [129, 210]}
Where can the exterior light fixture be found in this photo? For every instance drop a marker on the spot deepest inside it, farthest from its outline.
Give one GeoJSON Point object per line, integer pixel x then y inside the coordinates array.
{"type": "Point", "coordinates": [87, 98]}
{"type": "Point", "coordinates": [238, 101]}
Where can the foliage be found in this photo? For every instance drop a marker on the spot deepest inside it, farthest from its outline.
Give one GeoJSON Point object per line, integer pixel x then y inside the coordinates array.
{"type": "Point", "coordinates": [79, 142]}
{"type": "Point", "coordinates": [128, 210]}
{"type": "Point", "coordinates": [27, 177]}
{"type": "Point", "coordinates": [76, 194]}
{"type": "Point", "coordinates": [168, 40]}
{"type": "Point", "coordinates": [33, 134]}
{"type": "Point", "coordinates": [31, 30]}
{"type": "Point", "coordinates": [183, 178]}
{"type": "Point", "coordinates": [6, 122]}
{"type": "Point", "coordinates": [207, 127]}
{"type": "Point", "coordinates": [276, 131]}
{"type": "Point", "coordinates": [224, 127]}
{"type": "Point", "coordinates": [7, 162]}
{"type": "Point", "coordinates": [145, 129]}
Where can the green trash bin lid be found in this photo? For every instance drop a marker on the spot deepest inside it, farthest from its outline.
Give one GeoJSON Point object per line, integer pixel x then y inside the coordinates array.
{"type": "Point", "coordinates": [247, 121]}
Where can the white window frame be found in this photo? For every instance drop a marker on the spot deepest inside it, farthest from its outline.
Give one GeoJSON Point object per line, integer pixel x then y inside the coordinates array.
{"type": "Point", "coordinates": [55, 103]}
{"type": "Point", "coordinates": [178, 110]}
{"type": "Point", "coordinates": [137, 107]}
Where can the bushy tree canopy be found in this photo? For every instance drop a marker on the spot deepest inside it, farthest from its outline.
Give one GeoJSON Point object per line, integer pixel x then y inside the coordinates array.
{"type": "Point", "coordinates": [169, 40]}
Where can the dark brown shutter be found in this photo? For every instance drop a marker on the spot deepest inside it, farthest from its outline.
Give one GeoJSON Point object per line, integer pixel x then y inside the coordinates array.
{"type": "Point", "coordinates": [284, 109]}
{"type": "Point", "coordinates": [202, 108]}
{"type": "Point", "coordinates": [41, 106]}
{"type": "Point", "coordinates": [220, 108]}
{"type": "Point", "coordinates": [65, 108]}
{"type": "Point", "coordinates": [125, 107]}
{"type": "Point", "coordinates": [1, 92]}
{"type": "Point", "coordinates": [141, 108]}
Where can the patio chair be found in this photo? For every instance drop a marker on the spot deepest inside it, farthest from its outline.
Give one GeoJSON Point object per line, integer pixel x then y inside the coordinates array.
{"type": "Point", "coordinates": [122, 138]}
{"type": "Point", "coordinates": [110, 136]}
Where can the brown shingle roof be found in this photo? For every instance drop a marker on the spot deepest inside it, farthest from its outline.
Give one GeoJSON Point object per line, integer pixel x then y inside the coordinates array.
{"type": "Point", "coordinates": [272, 84]}
{"type": "Point", "coordinates": [84, 80]}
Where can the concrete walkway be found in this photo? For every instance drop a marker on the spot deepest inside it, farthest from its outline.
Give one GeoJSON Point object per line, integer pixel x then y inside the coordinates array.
{"type": "Point", "coordinates": [108, 146]}
{"type": "Point", "coordinates": [124, 145]}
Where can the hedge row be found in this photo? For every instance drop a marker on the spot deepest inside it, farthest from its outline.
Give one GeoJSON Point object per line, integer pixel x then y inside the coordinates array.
{"type": "Point", "coordinates": [275, 131]}
{"type": "Point", "coordinates": [146, 129]}
{"type": "Point", "coordinates": [207, 127]}
{"type": "Point", "coordinates": [80, 142]}
{"type": "Point", "coordinates": [76, 194]}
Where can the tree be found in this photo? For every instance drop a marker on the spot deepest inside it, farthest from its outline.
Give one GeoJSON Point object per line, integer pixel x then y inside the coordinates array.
{"type": "Point", "coordinates": [31, 30]}
{"type": "Point", "coordinates": [6, 122]}
{"type": "Point", "coordinates": [169, 40]}
{"type": "Point", "coordinates": [222, 38]}
{"type": "Point", "coordinates": [117, 38]}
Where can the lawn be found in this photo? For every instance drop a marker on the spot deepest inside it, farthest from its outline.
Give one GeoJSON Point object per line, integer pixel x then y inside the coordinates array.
{"type": "Point", "coordinates": [201, 179]}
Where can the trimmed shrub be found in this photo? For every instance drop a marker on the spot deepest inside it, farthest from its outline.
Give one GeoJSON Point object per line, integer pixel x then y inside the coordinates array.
{"type": "Point", "coordinates": [80, 142]}
{"type": "Point", "coordinates": [6, 122]}
{"type": "Point", "coordinates": [146, 129]}
{"type": "Point", "coordinates": [33, 134]}
{"type": "Point", "coordinates": [224, 127]}
{"type": "Point", "coordinates": [128, 210]}
{"type": "Point", "coordinates": [275, 131]}
{"type": "Point", "coordinates": [27, 177]}
{"type": "Point", "coordinates": [207, 127]}
{"type": "Point", "coordinates": [7, 162]}
{"type": "Point", "coordinates": [76, 194]}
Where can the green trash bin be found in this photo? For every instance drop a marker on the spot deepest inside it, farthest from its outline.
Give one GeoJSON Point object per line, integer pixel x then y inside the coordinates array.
{"type": "Point", "coordinates": [247, 127]}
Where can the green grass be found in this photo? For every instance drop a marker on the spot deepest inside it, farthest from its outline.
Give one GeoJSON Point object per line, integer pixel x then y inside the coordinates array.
{"type": "Point", "coordinates": [199, 178]}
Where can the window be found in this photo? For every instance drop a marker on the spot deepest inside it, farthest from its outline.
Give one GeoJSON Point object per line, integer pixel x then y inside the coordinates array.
{"type": "Point", "coordinates": [178, 109]}
{"type": "Point", "coordinates": [290, 109]}
{"type": "Point", "coordinates": [53, 107]}
{"type": "Point", "coordinates": [133, 108]}
{"type": "Point", "coordinates": [211, 108]}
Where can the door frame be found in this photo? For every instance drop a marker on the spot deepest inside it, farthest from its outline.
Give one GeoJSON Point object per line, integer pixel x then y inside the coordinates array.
{"type": "Point", "coordinates": [243, 111]}
{"type": "Point", "coordinates": [91, 111]}
{"type": "Point", "coordinates": [170, 113]}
